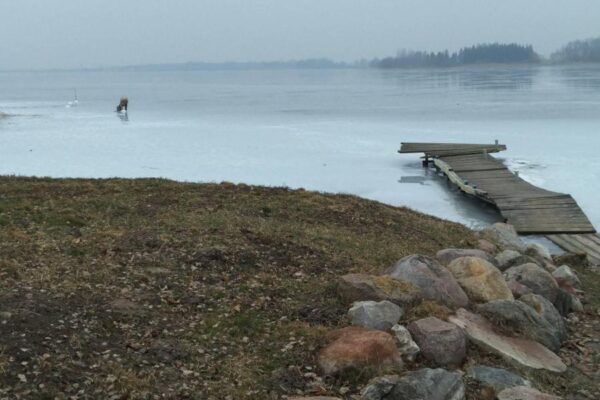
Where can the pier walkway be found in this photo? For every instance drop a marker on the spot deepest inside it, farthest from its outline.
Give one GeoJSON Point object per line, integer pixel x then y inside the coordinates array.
{"type": "Point", "coordinates": [530, 209]}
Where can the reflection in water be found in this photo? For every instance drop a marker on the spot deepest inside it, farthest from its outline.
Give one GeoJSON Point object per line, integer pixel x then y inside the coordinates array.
{"type": "Point", "coordinates": [124, 117]}
{"type": "Point", "coordinates": [477, 77]}
{"type": "Point", "coordinates": [487, 78]}
{"type": "Point", "coordinates": [413, 179]}
{"type": "Point", "coordinates": [581, 77]}
{"type": "Point", "coordinates": [473, 212]}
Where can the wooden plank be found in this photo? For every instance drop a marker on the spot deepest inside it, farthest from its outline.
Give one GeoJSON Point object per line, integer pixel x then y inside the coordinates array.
{"type": "Point", "coordinates": [570, 243]}
{"type": "Point", "coordinates": [450, 148]}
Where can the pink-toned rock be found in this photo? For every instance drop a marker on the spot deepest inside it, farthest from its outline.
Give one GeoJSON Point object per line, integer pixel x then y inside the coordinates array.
{"type": "Point", "coordinates": [480, 280]}
{"type": "Point", "coordinates": [517, 288]}
{"type": "Point", "coordinates": [440, 342]}
{"type": "Point", "coordinates": [525, 393]}
{"type": "Point", "coordinates": [487, 246]}
{"type": "Point", "coordinates": [520, 351]}
{"type": "Point", "coordinates": [356, 347]}
{"type": "Point", "coordinates": [434, 280]}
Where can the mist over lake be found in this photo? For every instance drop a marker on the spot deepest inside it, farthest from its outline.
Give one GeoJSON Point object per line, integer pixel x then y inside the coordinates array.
{"type": "Point", "coordinates": [327, 130]}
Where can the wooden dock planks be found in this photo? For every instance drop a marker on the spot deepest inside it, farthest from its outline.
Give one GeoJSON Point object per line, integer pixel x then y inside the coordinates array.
{"type": "Point", "coordinates": [530, 209]}
{"type": "Point", "coordinates": [583, 244]}
{"type": "Point", "coordinates": [439, 149]}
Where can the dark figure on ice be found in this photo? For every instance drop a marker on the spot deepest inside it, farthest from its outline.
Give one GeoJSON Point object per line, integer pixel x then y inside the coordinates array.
{"type": "Point", "coordinates": [122, 107]}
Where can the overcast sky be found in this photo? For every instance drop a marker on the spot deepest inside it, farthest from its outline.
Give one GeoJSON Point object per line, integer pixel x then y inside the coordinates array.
{"type": "Point", "coordinates": [88, 33]}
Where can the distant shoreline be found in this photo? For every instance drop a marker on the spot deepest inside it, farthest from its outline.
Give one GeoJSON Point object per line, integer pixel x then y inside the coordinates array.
{"type": "Point", "coordinates": [179, 68]}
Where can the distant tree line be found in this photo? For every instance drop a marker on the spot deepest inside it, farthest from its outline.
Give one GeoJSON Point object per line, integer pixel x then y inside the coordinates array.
{"type": "Point", "coordinates": [578, 51]}
{"type": "Point", "coordinates": [494, 53]}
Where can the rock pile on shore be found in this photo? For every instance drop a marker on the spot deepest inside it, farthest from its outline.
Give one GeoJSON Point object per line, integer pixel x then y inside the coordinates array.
{"type": "Point", "coordinates": [506, 299]}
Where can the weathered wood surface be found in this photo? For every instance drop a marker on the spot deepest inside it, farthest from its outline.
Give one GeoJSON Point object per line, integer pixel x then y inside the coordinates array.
{"type": "Point", "coordinates": [582, 244]}
{"type": "Point", "coordinates": [439, 149]}
{"type": "Point", "coordinates": [530, 209]}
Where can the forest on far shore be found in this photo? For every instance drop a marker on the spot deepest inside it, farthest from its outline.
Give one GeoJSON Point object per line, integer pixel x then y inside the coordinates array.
{"type": "Point", "coordinates": [493, 53]}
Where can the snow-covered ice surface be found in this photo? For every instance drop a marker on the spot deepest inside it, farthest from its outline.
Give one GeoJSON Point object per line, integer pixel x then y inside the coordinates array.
{"type": "Point", "coordinates": [326, 130]}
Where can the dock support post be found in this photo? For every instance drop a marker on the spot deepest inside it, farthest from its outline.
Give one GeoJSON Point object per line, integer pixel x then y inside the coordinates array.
{"type": "Point", "coordinates": [426, 160]}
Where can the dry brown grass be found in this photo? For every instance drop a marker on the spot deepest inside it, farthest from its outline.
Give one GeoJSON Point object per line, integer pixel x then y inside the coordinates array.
{"type": "Point", "coordinates": [156, 289]}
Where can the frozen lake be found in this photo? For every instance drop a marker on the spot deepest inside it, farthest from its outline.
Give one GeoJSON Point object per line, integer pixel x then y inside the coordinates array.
{"type": "Point", "coordinates": [327, 130]}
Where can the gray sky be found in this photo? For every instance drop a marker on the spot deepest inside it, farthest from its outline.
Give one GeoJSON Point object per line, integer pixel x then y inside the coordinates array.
{"type": "Point", "coordinates": [87, 33]}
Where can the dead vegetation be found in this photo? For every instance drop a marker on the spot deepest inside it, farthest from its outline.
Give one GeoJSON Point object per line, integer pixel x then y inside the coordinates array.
{"type": "Point", "coordinates": [141, 289]}
{"type": "Point", "coordinates": [144, 289]}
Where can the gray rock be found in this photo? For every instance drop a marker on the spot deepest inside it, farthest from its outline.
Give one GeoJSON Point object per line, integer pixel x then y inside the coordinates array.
{"type": "Point", "coordinates": [435, 281]}
{"type": "Point", "coordinates": [538, 251]}
{"type": "Point", "coordinates": [446, 256]}
{"type": "Point", "coordinates": [378, 388]}
{"type": "Point", "coordinates": [314, 398]}
{"type": "Point", "coordinates": [504, 236]}
{"type": "Point", "coordinates": [535, 278]}
{"type": "Point", "coordinates": [428, 384]}
{"type": "Point", "coordinates": [496, 378]}
{"type": "Point", "coordinates": [509, 258]}
{"type": "Point", "coordinates": [521, 320]}
{"type": "Point", "coordinates": [567, 302]}
{"type": "Point", "coordinates": [546, 310]}
{"type": "Point", "coordinates": [525, 393]}
{"type": "Point", "coordinates": [406, 345]}
{"type": "Point", "coordinates": [441, 342]}
{"type": "Point", "coordinates": [566, 275]}
{"type": "Point", "coordinates": [576, 305]}
{"type": "Point", "coordinates": [375, 315]}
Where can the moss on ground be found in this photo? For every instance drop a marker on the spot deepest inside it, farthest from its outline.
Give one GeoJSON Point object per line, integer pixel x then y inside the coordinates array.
{"type": "Point", "coordinates": [151, 288]}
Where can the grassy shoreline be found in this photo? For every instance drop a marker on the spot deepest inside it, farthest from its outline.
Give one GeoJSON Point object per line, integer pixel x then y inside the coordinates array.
{"type": "Point", "coordinates": [144, 287]}
{"type": "Point", "coordinates": [149, 288]}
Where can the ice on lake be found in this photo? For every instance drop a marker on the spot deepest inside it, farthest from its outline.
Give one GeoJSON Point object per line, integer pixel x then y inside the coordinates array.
{"type": "Point", "coordinates": [326, 130]}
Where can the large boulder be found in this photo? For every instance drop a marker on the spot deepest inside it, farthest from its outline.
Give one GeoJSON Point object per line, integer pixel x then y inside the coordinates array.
{"type": "Point", "coordinates": [535, 278]}
{"type": "Point", "coordinates": [375, 315]}
{"type": "Point", "coordinates": [487, 246]}
{"type": "Point", "coordinates": [495, 378]}
{"type": "Point", "coordinates": [546, 310]}
{"type": "Point", "coordinates": [434, 281]}
{"type": "Point", "coordinates": [430, 384]}
{"type": "Point", "coordinates": [378, 388]}
{"type": "Point", "coordinates": [565, 276]}
{"type": "Point", "coordinates": [521, 320]}
{"type": "Point", "coordinates": [538, 251]}
{"type": "Point", "coordinates": [446, 256]}
{"type": "Point", "coordinates": [357, 347]}
{"type": "Point", "coordinates": [504, 236]}
{"type": "Point", "coordinates": [441, 342]}
{"type": "Point", "coordinates": [479, 279]}
{"type": "Point", "coordinates": [510, 258]}
{"type": "Point", "coordinates": [360, 287]}
{"type": "Point", "coordinates": [517, 289]}
{"type": "Point", "coordinates": [522, 352]}
{"type": "Point", "coordinates": [406, 345]}
{"type": "Point", "coordinates": [525, 393]}
{"type": "Point", "coordinates": [567, 302]}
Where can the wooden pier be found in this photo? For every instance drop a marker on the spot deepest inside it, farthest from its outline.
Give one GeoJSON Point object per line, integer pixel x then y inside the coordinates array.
{"type": "Point", "coordinates": [530, 209]}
